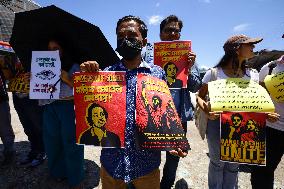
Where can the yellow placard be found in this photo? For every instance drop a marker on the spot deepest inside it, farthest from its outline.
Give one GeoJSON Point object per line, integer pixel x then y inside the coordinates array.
{"type": "Point", "coordinates": [236, 94]}
{"type": "Point", "coordinates": [19, 84]}
{"type": "Point", "coordinates": [275, 86]}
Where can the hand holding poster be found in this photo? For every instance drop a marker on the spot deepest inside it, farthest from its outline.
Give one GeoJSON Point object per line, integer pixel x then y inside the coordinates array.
{"type": "Point", "coordinates": [275, 86]}
{"type": "Point", "coordinates": [100, 108]}
{"type": "Point", "coordinates": [172, 56]}
{"type": "Point", "coordinates": [45, 73]}
{"type": "Point", "coordinates": [243, 137]}
{"type": "Point", "coordinates": [236, 94]}
{"type": "Point", "coordinates": [159, 126]}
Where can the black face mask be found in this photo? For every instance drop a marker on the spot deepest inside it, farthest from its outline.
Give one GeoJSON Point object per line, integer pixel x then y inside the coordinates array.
{"type": "Point", "coordinates": [129, 48]}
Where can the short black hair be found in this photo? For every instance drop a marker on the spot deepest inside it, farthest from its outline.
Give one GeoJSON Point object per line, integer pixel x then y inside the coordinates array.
{"type": "Point", "coordinates": [167, 65]}
{"type": "Point", "coordinates": [68, 58]}
{"type": "Point", "coordinates": [89, 113]}
{"type": "Point", "coordinates": [142, 26]}
{"type": "Point", "coordinates": [169, 19]}
{"type": "Point", "coordinates": [236, 115]}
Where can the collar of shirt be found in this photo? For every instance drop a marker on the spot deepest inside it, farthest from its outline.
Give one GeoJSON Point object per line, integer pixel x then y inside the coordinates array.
{"type": "Point", "coordinates": [143, 64]}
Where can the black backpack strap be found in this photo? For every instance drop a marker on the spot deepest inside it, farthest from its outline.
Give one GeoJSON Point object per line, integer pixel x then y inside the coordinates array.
{"type": "Point", "coordinates": [271, 66]}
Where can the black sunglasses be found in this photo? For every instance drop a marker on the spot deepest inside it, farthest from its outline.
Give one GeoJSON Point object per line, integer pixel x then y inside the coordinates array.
{"type": "Point", "coordinates": [171, 30]}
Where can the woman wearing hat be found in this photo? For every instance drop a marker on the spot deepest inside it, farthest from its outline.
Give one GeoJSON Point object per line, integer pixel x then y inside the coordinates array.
{"type": "Point", "coordinates": [237, 49]}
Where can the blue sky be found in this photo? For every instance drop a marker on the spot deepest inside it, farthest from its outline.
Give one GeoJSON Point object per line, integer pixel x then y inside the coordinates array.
{"type": "Point", "coordinates": [207, 23]}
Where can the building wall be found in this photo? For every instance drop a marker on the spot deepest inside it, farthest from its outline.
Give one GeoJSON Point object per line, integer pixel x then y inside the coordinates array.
{"type": "Point", "coordinates": [8, 8]}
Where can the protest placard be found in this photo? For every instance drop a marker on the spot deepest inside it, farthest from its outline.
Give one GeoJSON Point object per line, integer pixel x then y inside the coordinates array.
{"type": "Point", "coordinates": [243, 137]}
{"type": "Point", "coordinates": [100, 108]}
{"type": "Point", "coordinates": [275, 86]}
{"type": "Point", "coordinates": [172, 56]}
{"type": "Point", "coordinates": [236, 94]}
{"type": "Point", "coordinates": [159, 126]}
{"type": "Point", "coordinates": [45, 75]}
{"type": "Point", "coordinates": [19, 84]}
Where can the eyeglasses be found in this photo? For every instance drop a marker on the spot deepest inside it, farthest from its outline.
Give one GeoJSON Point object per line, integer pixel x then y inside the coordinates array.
{"type": "Point", "coordinates": [171, 30]}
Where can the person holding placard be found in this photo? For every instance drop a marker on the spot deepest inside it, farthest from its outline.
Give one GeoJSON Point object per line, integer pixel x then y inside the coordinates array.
{"type": "Point", "coordinates": [29, 113]}
{"type": "Point", "coordinates": [263, 177]}
{"type": "Point", "coordinates": [65, 157]}
{"type": "Point", "coordinates": [170, 29]}
{"type": "Point", "coordinates": [237, 49]}
{"type": "Point", "coordinates": [131, 164]}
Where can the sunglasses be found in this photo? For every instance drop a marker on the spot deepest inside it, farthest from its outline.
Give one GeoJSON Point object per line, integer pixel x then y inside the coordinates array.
{"type": "Point", "coordinates": [171, 30]}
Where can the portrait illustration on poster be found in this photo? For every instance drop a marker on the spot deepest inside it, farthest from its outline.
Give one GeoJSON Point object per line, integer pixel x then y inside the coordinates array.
{"type": "Point", "coordinates": [172, 56]}
{"type": "Point", "coordinates": [45, 79]}
{"type": "Point", "coordinates": [97, 134]}
{"type": "Point", "coordinates": [159, 126]}
{"type": "Point", "coordinates": [100, 108]}
{"type": "Point", "coordinates": [243, 137]}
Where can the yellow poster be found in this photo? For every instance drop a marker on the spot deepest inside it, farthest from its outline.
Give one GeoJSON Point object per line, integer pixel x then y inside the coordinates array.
{"type": "Point", "coordinates": [275, 86]}
{"type": "Point", "coordinates": [236, 94]}
{"type": "Point", "coordinates": [19, 84]}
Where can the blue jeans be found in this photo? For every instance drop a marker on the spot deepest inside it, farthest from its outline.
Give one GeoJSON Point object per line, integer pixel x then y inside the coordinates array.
{"type": "Point", "coordinates": [221, 175]}
{"type": "Point", "coordinates": [170, 167]}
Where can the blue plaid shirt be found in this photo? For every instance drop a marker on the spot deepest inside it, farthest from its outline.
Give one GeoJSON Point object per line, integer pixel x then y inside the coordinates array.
{"type": "Point", "coordinates": [129, 163]}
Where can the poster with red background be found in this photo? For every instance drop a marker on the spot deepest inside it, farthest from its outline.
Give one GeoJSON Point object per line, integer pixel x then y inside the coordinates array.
{"type": "Point", "coordinates": [158, 124]}
{"type": "Point", "coordinates": [172, 56]}
{"type": "Point", "coordinates": [243, 137]}
{"type": "Point", "coordinates": [101, 91]}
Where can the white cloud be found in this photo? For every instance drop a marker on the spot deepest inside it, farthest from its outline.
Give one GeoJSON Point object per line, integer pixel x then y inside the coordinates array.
{"type": "Point", "coordinates": [205, 1]}
{"type": "Point", "coordinates": [157, 4]}
{"type": "Point", "coordinates": [155, 20]}
{"type": "Point", "coordinates": [241, 27]}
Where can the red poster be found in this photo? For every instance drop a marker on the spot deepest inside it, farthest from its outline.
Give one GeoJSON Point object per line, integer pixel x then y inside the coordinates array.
{"type": "Point", "coordinates": [159, 126]}
{"type": "Point", "coordinates": [172, 56]}
{"type": "Point", "coordinates": [243, 137]}
{"type": "Point", "coordinates": [100, 108]}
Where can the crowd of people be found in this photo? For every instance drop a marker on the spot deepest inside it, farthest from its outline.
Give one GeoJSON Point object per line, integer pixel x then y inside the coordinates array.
{"type": "Point", "coordinates": [50, 124]}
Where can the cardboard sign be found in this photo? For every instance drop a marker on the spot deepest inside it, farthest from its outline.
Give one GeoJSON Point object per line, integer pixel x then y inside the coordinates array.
{"type": "Point", "coordinates": [275, 86]}
{"type": "Point", "coordinates": [236, 94]}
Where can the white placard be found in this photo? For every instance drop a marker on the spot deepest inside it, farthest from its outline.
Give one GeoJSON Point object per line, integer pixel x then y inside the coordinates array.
{"type": "Point", "coordinates": [45, 73]}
